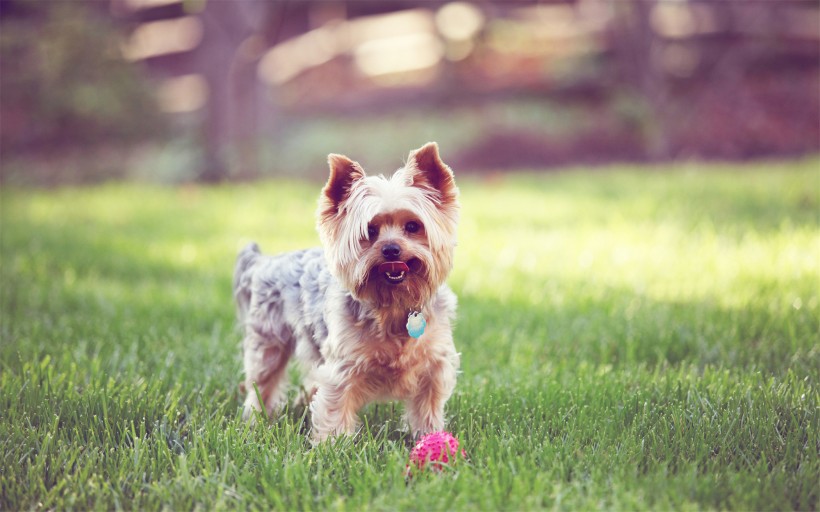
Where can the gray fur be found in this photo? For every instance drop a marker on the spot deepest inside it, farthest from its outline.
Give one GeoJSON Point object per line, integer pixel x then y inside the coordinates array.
{"type": "Point", "coordinates": [282, 297]}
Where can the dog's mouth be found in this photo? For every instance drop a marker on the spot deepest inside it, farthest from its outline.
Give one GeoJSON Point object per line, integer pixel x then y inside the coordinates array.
{"type": "Point", "coordinates": [395, 272]}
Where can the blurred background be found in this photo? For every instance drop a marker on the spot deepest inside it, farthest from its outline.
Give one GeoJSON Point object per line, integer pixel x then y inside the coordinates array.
{"type": "Point", "coordinates": [215, 90]}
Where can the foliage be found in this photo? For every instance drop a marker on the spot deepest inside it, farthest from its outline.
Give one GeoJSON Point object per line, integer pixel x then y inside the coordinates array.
{"type": "Point", "coordinates": [631, 339]}
{"type": "Point", "coordinates": [65, 83]}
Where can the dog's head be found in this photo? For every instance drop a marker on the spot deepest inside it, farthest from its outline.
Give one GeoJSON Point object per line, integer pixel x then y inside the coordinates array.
{"type": "Point", "coordinates": [390, 241]}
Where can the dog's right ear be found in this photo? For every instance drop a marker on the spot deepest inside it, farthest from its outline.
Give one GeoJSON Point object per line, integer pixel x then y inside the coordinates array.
{"type": "Point", "coordinates": [343, 173]}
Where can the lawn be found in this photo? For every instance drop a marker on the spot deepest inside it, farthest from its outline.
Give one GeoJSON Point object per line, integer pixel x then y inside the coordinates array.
{"type": "Point", "coordinates": [631, 338]}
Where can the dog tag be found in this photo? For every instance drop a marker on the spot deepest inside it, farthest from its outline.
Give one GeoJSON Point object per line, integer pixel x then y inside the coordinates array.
{"type": "Point", "coordinates": [416, 324]}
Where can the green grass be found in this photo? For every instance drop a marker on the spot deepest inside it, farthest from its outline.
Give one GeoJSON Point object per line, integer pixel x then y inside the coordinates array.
{"type": "Point", "coordinates": [631, 339]}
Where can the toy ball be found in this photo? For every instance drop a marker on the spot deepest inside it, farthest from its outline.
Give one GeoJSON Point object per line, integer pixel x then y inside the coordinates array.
{"type": "Point", "coordinates": [438, 449]}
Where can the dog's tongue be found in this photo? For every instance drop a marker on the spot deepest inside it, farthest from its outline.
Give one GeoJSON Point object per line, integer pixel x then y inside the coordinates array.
{"type": "Point", "coordinates": [393, 267]}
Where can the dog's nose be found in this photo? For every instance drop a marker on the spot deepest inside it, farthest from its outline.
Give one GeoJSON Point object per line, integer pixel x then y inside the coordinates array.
{"type": "Point", "coordinates": [391, 252]}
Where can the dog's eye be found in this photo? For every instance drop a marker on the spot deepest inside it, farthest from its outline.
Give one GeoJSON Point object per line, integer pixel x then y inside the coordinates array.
{"type": "Point", "coordinates": [412, 227]}
{"type": "Point", "coordinates": [372, 232]}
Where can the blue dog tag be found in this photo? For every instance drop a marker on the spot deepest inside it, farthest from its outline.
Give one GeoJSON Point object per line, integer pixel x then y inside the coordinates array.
{"type": "Point", "coordinates": [416, 324]}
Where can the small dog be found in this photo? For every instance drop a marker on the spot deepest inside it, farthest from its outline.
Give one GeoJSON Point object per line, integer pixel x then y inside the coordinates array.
{"type": "Point", "coordinates": [368, 315]}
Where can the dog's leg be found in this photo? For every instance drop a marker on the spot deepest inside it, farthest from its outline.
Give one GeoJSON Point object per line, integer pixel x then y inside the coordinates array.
{"type": "Point", "coordinates": [425, 410]}
{"type": "Point", "coordinates": [265, 364]}
{"type": "Point", "coordinates": [333, 410]}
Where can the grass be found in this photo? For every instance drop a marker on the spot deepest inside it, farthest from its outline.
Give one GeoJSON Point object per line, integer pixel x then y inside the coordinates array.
{"type": "Point", "coordinates": [631, 339]}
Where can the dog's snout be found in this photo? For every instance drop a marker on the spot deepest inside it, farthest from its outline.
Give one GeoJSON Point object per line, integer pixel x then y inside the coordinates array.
{"type": "Point", "coordinates": [391, 251]}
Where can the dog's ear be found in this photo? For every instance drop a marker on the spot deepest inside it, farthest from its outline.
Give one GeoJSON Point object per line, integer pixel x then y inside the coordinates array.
{"type": "Point", "coordinates": [427, 169]}
{"type": "Point", "coordinates": [343, 173]}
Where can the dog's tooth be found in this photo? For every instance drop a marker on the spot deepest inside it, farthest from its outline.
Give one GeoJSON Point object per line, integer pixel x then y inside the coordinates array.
{"type": "Point", "coordinates": [398, 277]}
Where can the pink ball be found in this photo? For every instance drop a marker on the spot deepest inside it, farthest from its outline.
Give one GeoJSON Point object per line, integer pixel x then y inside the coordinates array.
{"type": "Point", "coordinates": [437, 448]}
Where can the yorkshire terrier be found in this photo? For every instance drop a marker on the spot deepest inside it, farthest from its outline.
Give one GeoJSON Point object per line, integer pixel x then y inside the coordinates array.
{"type": "Point", "coordinates": [368, 315]}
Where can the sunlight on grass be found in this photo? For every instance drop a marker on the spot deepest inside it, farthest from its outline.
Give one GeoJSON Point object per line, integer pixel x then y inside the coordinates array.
{"type": "Point", "coordinates": [665, 248]}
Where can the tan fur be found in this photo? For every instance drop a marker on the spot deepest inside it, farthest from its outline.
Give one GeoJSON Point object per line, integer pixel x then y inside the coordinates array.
{"type": "Point", "coordinates": [370, 364]}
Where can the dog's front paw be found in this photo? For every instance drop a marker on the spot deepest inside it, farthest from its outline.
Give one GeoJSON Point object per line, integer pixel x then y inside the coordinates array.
{"type": "Point", "coordinates": [251, 410]}
{"type": "Point", "coordinates": [321, 436]}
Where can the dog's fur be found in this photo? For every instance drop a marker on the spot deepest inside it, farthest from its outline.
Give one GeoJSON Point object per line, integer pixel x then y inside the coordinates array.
{"type": "Point", "coordinates": [341, 317]}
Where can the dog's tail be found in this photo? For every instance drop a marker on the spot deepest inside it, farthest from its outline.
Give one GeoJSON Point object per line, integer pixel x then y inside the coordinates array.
{"type": "Point", "coordinates": [242, 278]}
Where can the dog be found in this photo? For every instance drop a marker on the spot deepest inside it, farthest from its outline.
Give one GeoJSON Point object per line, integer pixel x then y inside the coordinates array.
{"type": "Point", "coordinates": [367, 315]}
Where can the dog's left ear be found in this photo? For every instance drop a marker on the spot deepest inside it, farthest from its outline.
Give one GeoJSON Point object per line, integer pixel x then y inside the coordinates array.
{"type": "Point", "coordinates": [427, 169]}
